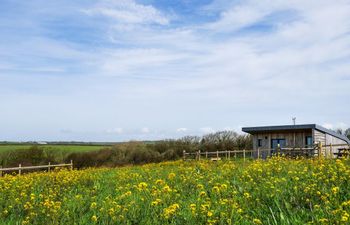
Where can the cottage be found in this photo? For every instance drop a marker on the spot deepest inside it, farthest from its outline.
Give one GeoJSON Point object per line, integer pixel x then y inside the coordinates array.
{"type": "Point", "coordinates": [295, 136]}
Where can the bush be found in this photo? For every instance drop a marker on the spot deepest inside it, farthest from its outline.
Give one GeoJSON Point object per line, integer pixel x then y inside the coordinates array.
{"type": "Point", "coordinates": [26, 157]}
{"type": "Point", "coordinates": [128, 153]}
{"type": "Point", "coordinates": [170, 154]}
{"type": "Point", "coordinates": [143, 156]}
{"type": "Point", "coordinates": [114, 156]}
{"type": "Point", "coordinates": [91, 159]}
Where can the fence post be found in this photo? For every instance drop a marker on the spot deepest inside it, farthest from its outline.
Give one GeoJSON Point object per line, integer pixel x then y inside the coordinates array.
{"type": "Point", "coordinates": [206, 154]}
{"type": "Point", "coordinates": [278, 149]}
{"type": "Point", "coordinates": [184, 155]}
{"type": "Point", "coordinates": [302, 152]}
{"type": "Point", "coordinates": [217, 154]}
{"type": "Point", "coordinates": [330, 151]}
{"type": "Point", "coordinates": [229, 154]}
{"type": "Point", "coordinates": [0, 171]}
{"type": "Point", "coordinates": [319, 149]}
{"type": "Point", "coordinates": [19, 169]}
{"type": "Point", "coordinates": [243, 154]}
{"type": "Point", "coordinates": [258, 153]}
{"type": "Point", "coordinates": [71, 164]}
{"type": "Point", "coordinates": [48, 168]}
{"type": "Point", "coordinates": [199, 154]}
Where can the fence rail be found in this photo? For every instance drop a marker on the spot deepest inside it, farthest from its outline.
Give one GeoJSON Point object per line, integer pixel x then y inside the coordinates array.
{"type": "Point", "coordinates": [20, 168]}
{"type": "Point", "coordinates": [337, 145]}
{"type": "Point", "coordinates": [328, 151]}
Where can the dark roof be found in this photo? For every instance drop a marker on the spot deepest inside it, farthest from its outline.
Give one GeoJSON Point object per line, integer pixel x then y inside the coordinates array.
{"type": "Point", "coordinates": [253, 130]}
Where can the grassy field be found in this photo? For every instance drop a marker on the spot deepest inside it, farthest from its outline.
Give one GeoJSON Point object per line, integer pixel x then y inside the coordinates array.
{"type": "Point", "coordinates": [68, 148]}
{"type": "Point", "coordinates": [275, 191]}
{"type": "Point", "coordinates": [27, 155]}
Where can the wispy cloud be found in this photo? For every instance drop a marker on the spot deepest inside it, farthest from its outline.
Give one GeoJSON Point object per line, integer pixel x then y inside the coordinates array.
{"type": "Point", "coordinates": [115, 130]}
{"type": "Point", "coordinates": [142, 63]}
{"type": "Point", "coordinates": [128, 12]}
{"type": "Point", "coordinates": [145, 130]}
{"type": "Point", "coordinates": [335, 126]}
{"type": "Point", "coordinates": [181, 130]}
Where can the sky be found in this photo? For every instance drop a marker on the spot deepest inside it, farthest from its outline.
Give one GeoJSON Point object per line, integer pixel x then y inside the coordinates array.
{"type": "Point", "coordinates": [118, 70]}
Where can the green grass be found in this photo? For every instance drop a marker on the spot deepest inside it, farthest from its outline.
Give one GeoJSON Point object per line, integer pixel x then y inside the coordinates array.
{"type": "Point", "coordinates": [66, 148]}
{"type": "Point", "coordinates": [276, 191]}
{"type": "Point", "coordinates": [13, 154]}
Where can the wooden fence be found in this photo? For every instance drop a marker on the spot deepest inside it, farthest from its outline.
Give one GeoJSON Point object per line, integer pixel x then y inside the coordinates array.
{"type": "Point", "coordinates": [254, 154]}
{"type": "Point", "coordinates": [318, 150]}
{"type": "Point", "coordinates": [20, 168]}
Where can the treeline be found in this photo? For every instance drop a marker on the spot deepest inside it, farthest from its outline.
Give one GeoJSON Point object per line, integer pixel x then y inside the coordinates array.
{"type": "Point", "coordinates": [345, 132]}
{"type": "Point", "coordinates": [129, 152]}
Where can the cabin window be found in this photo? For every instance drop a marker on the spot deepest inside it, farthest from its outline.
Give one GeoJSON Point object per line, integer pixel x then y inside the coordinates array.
{"type": "Point", "coordinates": [259, 142]}
{"type": "Point", "coordinates": [276, 142]}
{"type": "Point", "coordinates": [308, 141]}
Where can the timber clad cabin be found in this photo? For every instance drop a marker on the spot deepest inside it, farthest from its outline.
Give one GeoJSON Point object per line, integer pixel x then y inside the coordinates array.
{"type": "Point", "coordinates": [294, 136]}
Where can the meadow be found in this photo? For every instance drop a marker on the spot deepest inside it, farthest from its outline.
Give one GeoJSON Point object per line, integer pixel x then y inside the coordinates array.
{"type": "Point", "coordinates": [28, 154]}
{"type": "Point", "coordinates": [273, 191]}
{"type": "Point", "coordinates": [65, 148]}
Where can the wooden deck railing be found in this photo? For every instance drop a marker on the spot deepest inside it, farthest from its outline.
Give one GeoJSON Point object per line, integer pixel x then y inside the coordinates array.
{"type": "Point", "coordinates": [315, 151]}
{"type": "Point", "coordinates": [20, 168]}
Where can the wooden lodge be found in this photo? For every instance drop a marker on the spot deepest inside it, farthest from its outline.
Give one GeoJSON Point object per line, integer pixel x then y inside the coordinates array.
{"type": "Point", "coordinates": [297, 137]}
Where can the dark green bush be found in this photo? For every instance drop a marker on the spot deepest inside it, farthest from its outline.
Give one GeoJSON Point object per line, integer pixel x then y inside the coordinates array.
{"type": "Point", "coordinates": [128, 153]}
{"type": "Point", "coordinates": [26, 157]}
{"type": "Point", "coordinates": [143, 156]}
{"type": "Point", "coordinates": [169, 154]}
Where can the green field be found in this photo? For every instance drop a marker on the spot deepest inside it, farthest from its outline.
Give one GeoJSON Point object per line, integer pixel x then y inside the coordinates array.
{"type": "Point", "coordinates": [27, 155]}
{"type": "Point", "coordinates": [67, 148]}
{"type": "Point", "coordinates": [276, 191]}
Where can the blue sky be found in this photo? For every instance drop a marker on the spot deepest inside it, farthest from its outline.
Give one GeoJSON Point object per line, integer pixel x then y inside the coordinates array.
{"type": "Point", "coordinates": [115, 70]}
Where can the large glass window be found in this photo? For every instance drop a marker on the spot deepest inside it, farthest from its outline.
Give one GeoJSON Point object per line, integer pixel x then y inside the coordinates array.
{"type": "Point", "coordinates": [276, 142]}
{"type": "Point", "coordinates": [308, 141]}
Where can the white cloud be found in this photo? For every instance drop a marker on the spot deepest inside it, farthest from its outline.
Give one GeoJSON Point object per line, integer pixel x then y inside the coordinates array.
{"type": "Point", "coordinates": [236, 18]}
{"type": "Point", "coordinates": [328, 126]}
{"type": "Point", "coordinates": [181, 130]}
{"type": "Point", "coordinates": [202, 73]}
{"type": "Point", "coordinates": [139, 61]}
{"type": "Point", "coordinates": [128, 12]}
{"type": "Point", "coordinates": [115, 131]}
{"type": "Point", "coordinates": [335, 126]}
{"type": "Point", "coordinates": [145, 130]}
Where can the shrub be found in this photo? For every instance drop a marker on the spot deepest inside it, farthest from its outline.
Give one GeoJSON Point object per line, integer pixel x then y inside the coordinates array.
{"type": "Point", "coordinates": [132, 152]}
{"type": "Point", "coordinates": [143, 156]}
{"type": "Point", "coordinates": [26, 157]}
{"type": "Point", "coordinates": [170, 154]}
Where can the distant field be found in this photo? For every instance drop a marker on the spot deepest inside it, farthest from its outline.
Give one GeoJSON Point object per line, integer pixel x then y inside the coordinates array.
{"type": "Point", "coordinates": [68, 148]}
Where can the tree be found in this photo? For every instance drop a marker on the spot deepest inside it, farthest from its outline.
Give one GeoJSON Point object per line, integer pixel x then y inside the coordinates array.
{"type": "Point", "coordinates": [347, 133]}
{"type": "Point", "coordinates": [339, 131]}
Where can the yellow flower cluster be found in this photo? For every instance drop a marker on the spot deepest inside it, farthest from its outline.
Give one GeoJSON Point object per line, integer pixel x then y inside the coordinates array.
{"type": "Point", "coordinates": [171, 210]}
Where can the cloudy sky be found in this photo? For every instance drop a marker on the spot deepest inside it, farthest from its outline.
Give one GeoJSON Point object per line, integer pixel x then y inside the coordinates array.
{"type": "Point", "coordinates": [113, 70]}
